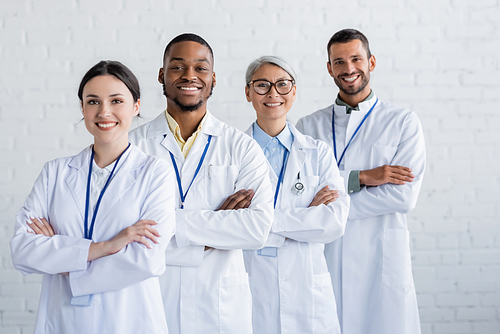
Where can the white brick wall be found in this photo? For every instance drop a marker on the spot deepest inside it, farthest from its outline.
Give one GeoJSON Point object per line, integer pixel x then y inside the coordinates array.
{"type": "Point", "coordinates": [439, 58]}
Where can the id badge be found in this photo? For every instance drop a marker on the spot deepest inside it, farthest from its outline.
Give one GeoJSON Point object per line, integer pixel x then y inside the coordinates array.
{"type": "Point", "coordinates": [85, 300]}
{"type": "Point", "coordinates": [268, 251]}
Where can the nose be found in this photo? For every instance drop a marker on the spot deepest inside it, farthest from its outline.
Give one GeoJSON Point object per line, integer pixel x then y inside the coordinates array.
{"type": "Point", "coordinates": [273, 91]}
{"type": "Point", "coordinates": [350, 68]}
{"type": "Point", "coordinates": [189, 73]}
{"type": "Point", "coordinates": [105, 110]}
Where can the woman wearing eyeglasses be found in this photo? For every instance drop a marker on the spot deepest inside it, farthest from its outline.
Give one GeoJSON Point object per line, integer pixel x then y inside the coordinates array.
{"type": "Point", "coordinates": [290, 283]}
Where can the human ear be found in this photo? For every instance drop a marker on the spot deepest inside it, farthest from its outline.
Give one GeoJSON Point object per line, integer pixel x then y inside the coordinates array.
{"type": "Point", "coordinates": [137, 107]}
{"type": "Point", "coordinates": [247, 94]}
{"type": "Point", "coordinates": [329, 67]}
{"type": "Point", "coordinates": [214, 79]}
{"type": "Point", "coordinates": [373, 63]}
{"type": "Point", "coordinates": [160, 75]}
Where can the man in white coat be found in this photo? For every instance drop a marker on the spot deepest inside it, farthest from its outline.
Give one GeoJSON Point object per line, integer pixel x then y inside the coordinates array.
{"type": "Point", "coordinates": [225, 201]}
{"type": "Point", "coordinates": [380, 152]}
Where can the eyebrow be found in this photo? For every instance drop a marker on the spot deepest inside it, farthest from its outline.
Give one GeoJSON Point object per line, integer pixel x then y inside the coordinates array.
{"type": "Point", "coordinates": [264, 79]}
{"type": "Point", "coordinates": [112, 95]}
{"type": "Point", "coordinates": [196, 60]}
{"type": "Point", "coordinates": [353, 56]}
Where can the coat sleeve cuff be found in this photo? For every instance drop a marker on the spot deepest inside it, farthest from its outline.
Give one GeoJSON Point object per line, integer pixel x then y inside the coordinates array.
{"type": "Point", "coordinates": [279, 224]}
{"type": "Point", "coordinates": [180, 231]}
{"type": "Point", "coordinates": [353, 185]}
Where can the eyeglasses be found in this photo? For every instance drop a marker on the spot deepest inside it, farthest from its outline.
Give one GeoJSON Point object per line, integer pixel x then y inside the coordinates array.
{"type": "Point", "coordinates": [262, 87]}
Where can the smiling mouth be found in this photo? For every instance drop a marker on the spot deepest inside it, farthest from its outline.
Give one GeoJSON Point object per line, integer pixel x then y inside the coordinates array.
{"type": "Point", "coordinates": [273, 104]}
{"type": "Point", "coordinates": [350, 79]}
{"type": "Point", "coordinates": [189, 88]}
{"type": "Point", "coordinates": [106, 125]}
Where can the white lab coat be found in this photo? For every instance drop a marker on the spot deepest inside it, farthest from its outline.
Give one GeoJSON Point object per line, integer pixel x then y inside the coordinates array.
{"type": "Point", "coordinates": [292, 292]}
{"type": "Point", "coordinates": [208, 291]}
{"type": "Point", "coordinates": [370, 264]}
{"type": "Point", "coordinates": [125, 286]}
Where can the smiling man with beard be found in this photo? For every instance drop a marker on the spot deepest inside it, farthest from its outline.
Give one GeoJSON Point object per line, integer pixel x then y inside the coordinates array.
{"type": "Point", "coordinates": [380, 152]}
{"type": "Point", "coordinates": [224, 197]}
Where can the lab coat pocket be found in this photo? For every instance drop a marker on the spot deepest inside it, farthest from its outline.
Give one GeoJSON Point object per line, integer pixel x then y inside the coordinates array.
{"type": "Point", "coordinates": [382, 154]}
{"type": "Point", "coordinates": [235, 304]}
{"type": "Point", "coordinates": [310, 189]}
{"type": "Point", "coordinates": [219, 184]}
{"type": "Point", "coordinates": [396, 266]}
{"type": "Point", "coordinates": [324, 307]}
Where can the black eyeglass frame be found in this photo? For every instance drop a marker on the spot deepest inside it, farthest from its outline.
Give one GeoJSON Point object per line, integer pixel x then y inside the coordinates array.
{"type": "Point", "coordinates": [271, 86]}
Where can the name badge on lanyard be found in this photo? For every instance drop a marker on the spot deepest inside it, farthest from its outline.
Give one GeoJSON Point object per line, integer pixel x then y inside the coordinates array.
{"type": "Point", "coordinates": [86, 300]}
{"type": "Point", "coordinates": [354, 134]}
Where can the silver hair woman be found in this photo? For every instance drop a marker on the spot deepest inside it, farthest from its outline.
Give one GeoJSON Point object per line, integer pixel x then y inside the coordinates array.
{"type": "Point", "coordinates": [289, 279]}
{"type": "Point", "coordinates": [257, 63]}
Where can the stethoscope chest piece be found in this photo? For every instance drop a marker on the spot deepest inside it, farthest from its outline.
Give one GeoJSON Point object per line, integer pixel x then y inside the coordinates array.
{"type": "Point", "coordinates": [298, 186]}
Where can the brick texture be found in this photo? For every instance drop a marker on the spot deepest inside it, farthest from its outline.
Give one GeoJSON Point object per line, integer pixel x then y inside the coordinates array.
{"type": "Point", "coordinates": [438, 58]}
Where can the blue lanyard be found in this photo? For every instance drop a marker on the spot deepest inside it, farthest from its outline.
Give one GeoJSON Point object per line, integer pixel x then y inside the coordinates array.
{"type": "Point", "coordinates": [88, 233]}
{"type": "Point", "coordinates": [280, 178]}
{"type": "Point", "coordinates": [179, 182]}
{"type": "Point", "coordinates": [354, 134]}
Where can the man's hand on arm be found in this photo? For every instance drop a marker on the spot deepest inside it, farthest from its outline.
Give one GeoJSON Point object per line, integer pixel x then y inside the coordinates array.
{"type": "Point", "coordinates": [239, 200]}
{"type": "Point", "coordinates": [385, 174]}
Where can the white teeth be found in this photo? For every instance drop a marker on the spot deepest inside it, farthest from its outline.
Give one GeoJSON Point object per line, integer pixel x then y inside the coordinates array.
{"type": "Point", "coordinates": [351, 79]}
{"type": "Point", "coordinates": [189, 88]}
{"type": "Point", "coordinates": [107, 125]}
{"type": "Point", "coordinates": [272, 104]}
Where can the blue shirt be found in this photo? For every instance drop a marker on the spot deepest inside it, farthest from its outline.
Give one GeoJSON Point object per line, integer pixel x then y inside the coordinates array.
{"type": "Point", "coordinates": [274, 147]}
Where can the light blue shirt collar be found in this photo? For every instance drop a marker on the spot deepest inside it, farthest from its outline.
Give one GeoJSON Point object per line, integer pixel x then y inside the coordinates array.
{"type": "Point", "coordinates": [285, 137]}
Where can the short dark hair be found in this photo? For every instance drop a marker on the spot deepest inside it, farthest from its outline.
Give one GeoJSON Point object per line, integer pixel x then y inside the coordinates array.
{"type": "Point", "coordinates": [187, 37]}
{"type": "Point", "coordinates": [347, 35]}
{"type": "Point", "coordinates": [116, 69]}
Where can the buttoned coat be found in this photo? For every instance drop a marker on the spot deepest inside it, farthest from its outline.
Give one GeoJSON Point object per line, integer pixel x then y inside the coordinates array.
{"type": "Point", "coordinates": [125, 287]}
{"type": "Point", "coordinates": [208, 291]}
{"type": "Point", "coordinates": [371, 265]}
{"type": "Point", "coordinates": [292, 291]}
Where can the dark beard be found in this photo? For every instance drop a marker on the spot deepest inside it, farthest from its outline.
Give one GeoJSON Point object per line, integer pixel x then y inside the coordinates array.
{"type": "Point", "coordinates": [185, 107]}
{"type": "Point", "coordinates": [364, 82]}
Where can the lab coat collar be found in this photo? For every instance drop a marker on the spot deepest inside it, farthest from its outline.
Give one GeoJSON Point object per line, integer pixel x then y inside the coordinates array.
{"type": "Point", "coordinates": [131, 160]}
{"type": "Point", "coordinates": [297, 156]}
{"type": "Point", "coordinates": [159, 128]}
{"type": "Point", "coordinates": [364, 107]}
{"type": "Point", "coordinates": [212, 126]}
{"type": "Point", "coordinates": [299, 139]}
{"type": "Point", "coordinates": [285, 137]}
{"type": "Point", "coordinates": [82, 159]}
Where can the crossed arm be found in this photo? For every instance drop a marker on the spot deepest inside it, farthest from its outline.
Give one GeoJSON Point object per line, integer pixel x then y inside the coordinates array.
{"type": "Point", "coordinates": [140, 232]}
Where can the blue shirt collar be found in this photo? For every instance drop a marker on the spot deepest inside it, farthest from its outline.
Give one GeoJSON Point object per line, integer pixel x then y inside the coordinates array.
{"type": "Point", "coordinates": [285, 137]}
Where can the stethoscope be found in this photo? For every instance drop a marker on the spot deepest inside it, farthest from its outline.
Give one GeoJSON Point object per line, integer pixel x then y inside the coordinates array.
{"type": "Point", "coordinates": [298, 187]}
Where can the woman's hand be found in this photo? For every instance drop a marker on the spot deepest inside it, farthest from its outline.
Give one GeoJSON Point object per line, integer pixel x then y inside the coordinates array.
{"type": "Point", "coordinates": [40, 226]}
{"type": "Point", "coordinates": [325, 196]}
{"type": "Point", "coordinates": [139, 232]}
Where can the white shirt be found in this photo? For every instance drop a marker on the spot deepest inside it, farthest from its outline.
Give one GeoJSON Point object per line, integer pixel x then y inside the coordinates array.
{"type": "Point", "coordinates": [97, 181]}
